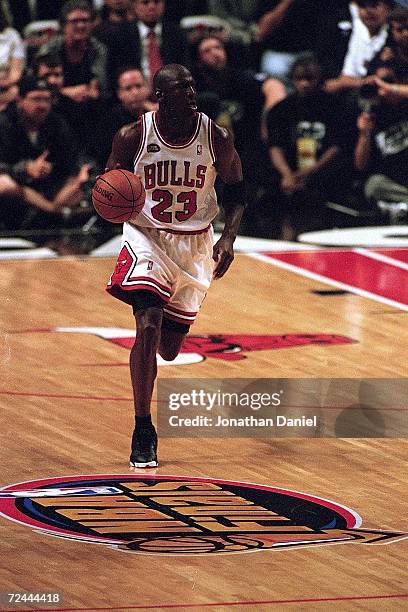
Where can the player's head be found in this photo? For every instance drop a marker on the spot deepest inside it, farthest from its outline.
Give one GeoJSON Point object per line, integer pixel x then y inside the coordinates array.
{"type": "Point", "coordinates": [35, 99]}
{"type": "Point", "coordinates": [149, 12]}
{"type": "Point", "coordinates": [211, 53]}
{"type": "Point", "coordinates": [132, 89]}
{"type": "Point", "coordinates": [175, 90]}
{"type": "Point", "coordinates": [306, 76]}
{"type": "Point", "coordinates": [398, 21]}
{"type": "Point", "coordinates": [50, 68]}
{"type": "Point", "coordinates": [374, 13]}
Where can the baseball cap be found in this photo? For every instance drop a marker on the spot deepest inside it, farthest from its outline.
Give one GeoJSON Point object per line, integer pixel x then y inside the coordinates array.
{"type": "Point", "coordinates": [31, 83]}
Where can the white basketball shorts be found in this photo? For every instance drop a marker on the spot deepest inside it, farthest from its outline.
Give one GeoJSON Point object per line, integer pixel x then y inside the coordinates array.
{"type": "Point", "coordinates": [178, 267]}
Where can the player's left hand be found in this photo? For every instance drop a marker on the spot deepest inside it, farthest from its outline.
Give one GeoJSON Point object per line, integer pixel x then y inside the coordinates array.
{"type": "Point", "coordinates": [223, 254]}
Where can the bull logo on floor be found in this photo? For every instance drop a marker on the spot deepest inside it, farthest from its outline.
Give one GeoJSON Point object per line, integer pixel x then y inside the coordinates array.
{"type": "Point", "coordinates": [228, 347]}
{"type": "Point", "coordinates": [178, 515]}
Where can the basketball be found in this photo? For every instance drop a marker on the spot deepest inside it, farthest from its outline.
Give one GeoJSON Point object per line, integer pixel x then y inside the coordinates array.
{"type": "Point", "coordinates": [118, 196]}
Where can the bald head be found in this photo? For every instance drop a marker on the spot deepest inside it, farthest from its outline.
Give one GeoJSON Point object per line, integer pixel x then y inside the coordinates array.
{"type": "Point", "coordinates": [169, 74]}
{"type": "Point", "coordinates": [175, 90]}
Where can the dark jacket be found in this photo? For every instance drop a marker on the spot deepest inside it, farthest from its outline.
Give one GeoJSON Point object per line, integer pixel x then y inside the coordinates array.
{"type": "Point", "coordinates": [125, 46]}
{"type": "Point", "coordinates": [16, 149]}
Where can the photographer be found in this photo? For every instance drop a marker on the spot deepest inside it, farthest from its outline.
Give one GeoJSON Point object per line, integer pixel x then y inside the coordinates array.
{"type": "Point", "coordinates": [382, 144]}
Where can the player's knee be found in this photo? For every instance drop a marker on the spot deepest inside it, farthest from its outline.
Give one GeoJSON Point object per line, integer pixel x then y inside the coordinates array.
{"type": "Point", "coordinates": [149, 326]}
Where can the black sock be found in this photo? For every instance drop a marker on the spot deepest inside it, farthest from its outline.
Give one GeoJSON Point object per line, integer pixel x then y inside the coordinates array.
{"type": "Point", "coordinates": [144, 422]}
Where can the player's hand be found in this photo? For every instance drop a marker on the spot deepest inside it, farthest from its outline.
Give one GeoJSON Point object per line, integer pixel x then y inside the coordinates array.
{"type": "Point", "coordinates": [223, 254]}
{"type": "Point", "coordinates": [107, 169]}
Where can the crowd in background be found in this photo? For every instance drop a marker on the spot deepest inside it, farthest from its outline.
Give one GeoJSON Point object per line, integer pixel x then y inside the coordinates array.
{"type": "Point", "coordinates": [315, 92]}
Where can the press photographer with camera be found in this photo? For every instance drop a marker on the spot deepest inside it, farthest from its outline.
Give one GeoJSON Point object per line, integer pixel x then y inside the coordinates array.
{"type": "Point", "coordinates": [382, 145]}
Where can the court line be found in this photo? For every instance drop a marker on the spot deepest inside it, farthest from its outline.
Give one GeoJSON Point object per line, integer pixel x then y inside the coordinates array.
{"type": "Point", "coordinates": [396, 263]}
{"type": "Point", "coordinates": [62, 396]}
{"type": "Point", "coordinates": [326, 280]}
{"type": "Point", "coordinates": [236, 603]}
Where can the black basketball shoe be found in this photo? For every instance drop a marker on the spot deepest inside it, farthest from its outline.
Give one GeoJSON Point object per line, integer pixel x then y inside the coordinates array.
{"type": "Point", "coordinates": [144, 448]}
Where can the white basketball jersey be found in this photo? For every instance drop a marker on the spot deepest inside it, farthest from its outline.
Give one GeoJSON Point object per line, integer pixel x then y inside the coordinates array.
{"type": "Point", "coordinates": [179, 179]}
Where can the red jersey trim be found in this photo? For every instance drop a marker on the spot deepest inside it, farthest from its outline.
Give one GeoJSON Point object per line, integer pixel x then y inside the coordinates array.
{"type": "Point", "coordinates": [146, 280]}
{"type": "Point", "coordinates": [211, 145]}
{"type": "Point", "coordinates": [178, 318]}
{"type": "Point", "coordinates": [173, 146]}
{"type": "Point", "coordinates": [112, 290]}
{"type": "Point", "coordinates": [177, 311]}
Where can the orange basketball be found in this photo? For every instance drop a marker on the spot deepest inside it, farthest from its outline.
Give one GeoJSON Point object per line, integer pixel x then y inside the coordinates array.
{"type": "Point", "coordinates": [118, 196]}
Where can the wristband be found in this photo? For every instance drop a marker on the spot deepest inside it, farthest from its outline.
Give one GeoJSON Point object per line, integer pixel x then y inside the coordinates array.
{"type": "Point", "coordinates": [234, 193]}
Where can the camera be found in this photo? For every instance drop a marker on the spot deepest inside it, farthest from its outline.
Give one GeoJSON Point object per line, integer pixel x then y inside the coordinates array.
{"type": "Point", "coordinates": [368, 100]}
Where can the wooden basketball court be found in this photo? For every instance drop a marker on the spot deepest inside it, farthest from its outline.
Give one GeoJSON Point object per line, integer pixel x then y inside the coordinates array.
{"type": "Point", "coordinates": [66, 410]}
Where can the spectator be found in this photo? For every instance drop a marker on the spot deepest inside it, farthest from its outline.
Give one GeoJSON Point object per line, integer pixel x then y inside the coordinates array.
{"type": "Point", "coordinates": [149, 41]}
{"type": "Point", "coordinates": [50, 69]}
{"type": "Point", "coordinates": [230, 94]}
{"type": "Point", "coordinates": [37, 159]}
{"type": "Point", "coordinates": [285, 32]}
{"type": "Point", "coordinates": [12, 60]}
{"type": "Point", "coordinates": [332, 31]}
{"type": "Point", "coordinates": [84, 58]}
{"type": "Point", "coordinates": [396, 47]}
{"type": "Point", "coordinates": [236, 98]}
{"type": "Point", "coordinates": [114, 11]}
{"type": "Point", "coordinates": [382, 145]}
{"type": "Point", "coordinates": [84, 67]}
{"type": "Point", "coordinates": [368, 37]}
{"type": "Point", "coordinates": [132, 91]}
{"type": "Point", "coordinates": [305, 139]}
{"type": "Point", "coordinates": [160, 42]}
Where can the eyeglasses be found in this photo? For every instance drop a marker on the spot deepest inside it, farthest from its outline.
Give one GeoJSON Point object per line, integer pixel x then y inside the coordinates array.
{"type": "Point", "coordinates": [79, 20]}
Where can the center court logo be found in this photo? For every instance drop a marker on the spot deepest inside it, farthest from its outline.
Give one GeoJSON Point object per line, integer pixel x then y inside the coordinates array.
{"type": "Point", "coordinates": [196, 348]}
{"type": "Point", "coordinates": [176, 515]}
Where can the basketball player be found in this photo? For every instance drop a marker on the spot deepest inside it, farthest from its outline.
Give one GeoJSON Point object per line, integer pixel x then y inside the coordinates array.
{"type": "Point", "coordinates": [166, 263]}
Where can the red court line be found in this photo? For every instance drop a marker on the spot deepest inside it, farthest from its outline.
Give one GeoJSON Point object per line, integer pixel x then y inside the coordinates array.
{"type": "Point", "coordinates": [399, 254]}
{"type": "Point", "coordinates": [62, 396]}
{"type": "Point", "coordinates": [236, 603]}
{"type": "Point", "coordinates": [353, 269]}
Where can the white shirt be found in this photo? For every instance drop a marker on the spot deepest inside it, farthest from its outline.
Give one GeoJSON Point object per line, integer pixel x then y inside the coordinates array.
{"type": "Point", "coordinates": [11, 47]}
{"type": "Point", "coordinates": [143, 32]}
{"type": "Point", "coordinates": [362, 48]}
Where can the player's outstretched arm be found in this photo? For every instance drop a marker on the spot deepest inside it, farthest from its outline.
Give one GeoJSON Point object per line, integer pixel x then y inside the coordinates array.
{"type": "Point", "coordinates": [229, 168]}
{"type": "Point", "coordinates": [124, 147]}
